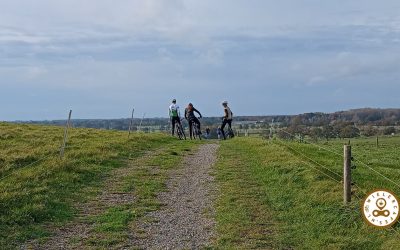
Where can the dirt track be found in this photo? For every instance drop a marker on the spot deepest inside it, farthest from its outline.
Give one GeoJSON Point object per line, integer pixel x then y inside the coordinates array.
{"type": "Point", "coordinates": [185, 221]}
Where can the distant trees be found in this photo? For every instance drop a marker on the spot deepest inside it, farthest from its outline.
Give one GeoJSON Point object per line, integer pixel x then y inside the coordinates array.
{"type": "Point", "coordinates": [285, 135]}
{"type": "Point", "coordinates": [369, 131]}
{"type": "Point", "coordinates": [389, 131]}
{"type": "Point", "coordinates": [349, 132]}
{"type": "Point", "coordinates": [328, 132]}
{"type": "Point", "coordinates": [343, 124]}
{"type": "Point", "coordinates": [316, 133]}
{"type": "Point", "coordinates": [377, 117]}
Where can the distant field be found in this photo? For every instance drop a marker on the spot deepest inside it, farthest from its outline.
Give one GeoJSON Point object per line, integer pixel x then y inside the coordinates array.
{"type": "Point", "coordinates": [273, 195]}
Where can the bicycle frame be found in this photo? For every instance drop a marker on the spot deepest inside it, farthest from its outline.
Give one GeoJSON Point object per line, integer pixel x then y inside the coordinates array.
{"type": "Point", "coordinates": [195, 131]}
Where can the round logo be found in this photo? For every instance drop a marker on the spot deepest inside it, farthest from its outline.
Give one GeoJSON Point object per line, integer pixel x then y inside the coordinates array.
{"type": "Point", "coordinates": [381, 209]}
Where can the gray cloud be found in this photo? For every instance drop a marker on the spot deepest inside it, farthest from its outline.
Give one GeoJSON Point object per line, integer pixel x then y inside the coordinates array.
{"type": "Point", "coordinates": [143, 52]}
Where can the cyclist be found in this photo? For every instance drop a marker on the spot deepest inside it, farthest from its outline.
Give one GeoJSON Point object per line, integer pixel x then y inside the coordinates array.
{"type": "Point", "coordinates": [191, 118]}
{"type": "Point", "coordinates": [219, 133]}
{"type": "Point", "coordinates": [227, 119]}
{"type": "Point", "coordinates": [174, 115]}
{"type": "Point", "coordinates": [208, 131]}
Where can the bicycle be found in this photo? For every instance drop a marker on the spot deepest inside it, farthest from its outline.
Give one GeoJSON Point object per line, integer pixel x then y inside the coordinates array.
{"type": "Point", "coordinates": [229, 133]}
{"type": "Point", "coordinates": [179, 131]}
{"type": "Point", "coordinates": [195, 132]}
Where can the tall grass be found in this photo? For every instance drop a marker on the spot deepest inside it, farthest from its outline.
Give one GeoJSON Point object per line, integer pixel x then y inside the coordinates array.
{"type": "Point", "coordinates": [34, 192]}
{"type": "Point", "coordinates": [302, 206]}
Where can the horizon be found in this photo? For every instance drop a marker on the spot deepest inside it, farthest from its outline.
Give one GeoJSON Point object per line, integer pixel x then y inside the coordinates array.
{"type": "Point", "coordinates": [105, 57]}
{"type": "Point", "coordinates": [165, 117]}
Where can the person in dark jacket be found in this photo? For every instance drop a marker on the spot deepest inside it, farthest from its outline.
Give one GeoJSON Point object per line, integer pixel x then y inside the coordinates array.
{"type": "Point", "coordinates": [191, 118]}
{"type": "Point", "coordinates": [227, 119]}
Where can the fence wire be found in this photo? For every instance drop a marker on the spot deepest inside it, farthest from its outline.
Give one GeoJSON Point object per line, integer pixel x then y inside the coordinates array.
{"type": "Point", "coordinates": [331, 151]}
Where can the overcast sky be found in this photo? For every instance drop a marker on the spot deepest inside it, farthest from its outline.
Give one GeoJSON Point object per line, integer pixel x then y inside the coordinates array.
{"type": "Point", "coordinates": [103, 57]}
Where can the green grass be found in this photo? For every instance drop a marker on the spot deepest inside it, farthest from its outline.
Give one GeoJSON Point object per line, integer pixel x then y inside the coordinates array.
{"type": "Point", "coordinates": [36, 193]}
{"type": "Point", "coordinates": [146, 180]}
{"type": "Point", "coordinates": [271, 196]}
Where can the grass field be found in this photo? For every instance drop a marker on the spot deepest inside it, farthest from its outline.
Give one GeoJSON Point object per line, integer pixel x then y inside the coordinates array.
{"type": "Point", "coordinates": [273, 196]}
{"type": "Point", "coordinates": [38, 190]}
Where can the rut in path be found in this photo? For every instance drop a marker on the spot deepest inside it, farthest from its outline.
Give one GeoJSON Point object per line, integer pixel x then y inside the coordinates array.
{"type": "Point", "coordinates": [186, 219]}
{"type": "Point", "coordinates": [74, 234]}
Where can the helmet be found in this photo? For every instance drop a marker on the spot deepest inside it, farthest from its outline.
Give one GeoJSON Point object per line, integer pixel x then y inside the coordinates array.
{"type": "Point", "coordinates": [174, 100]}
{"type": "Point", "coordinates": [224, 102]}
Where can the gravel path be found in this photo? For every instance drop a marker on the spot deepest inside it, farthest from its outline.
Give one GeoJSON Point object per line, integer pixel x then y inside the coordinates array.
{"type": "Point", "coordinates": [74, 234]}
{"type": "Point", "coordinates": [186, 219]}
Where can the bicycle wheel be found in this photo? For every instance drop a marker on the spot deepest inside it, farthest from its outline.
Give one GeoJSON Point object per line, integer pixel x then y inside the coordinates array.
{"type": "Point", "coordinates": [178, 132]}
{"type": "Point", "coordinates": [182, 135]}
{"type": "Point", "coordinates": [198, 133]}
{"type": "Point", "coordinates": [194, 131]}
{"type": "Point", "coordinates": [230, 132]}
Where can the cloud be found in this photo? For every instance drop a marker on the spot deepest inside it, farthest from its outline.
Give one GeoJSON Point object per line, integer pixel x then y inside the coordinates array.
{"type": "Point", "coordinates": [316, 80]}
{"type": "Point", "coordinates": [143, 51]}
{"type": "Point", "coordinates": [212, 56]}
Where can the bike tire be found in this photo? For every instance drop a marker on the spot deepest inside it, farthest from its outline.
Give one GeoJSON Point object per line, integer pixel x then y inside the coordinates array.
{"type": "Point", "coordinates": [194, 131]}
{"type": "Point", "coordinates": [199, 135]}
{"type": "Point", "coordinates": [178, 132]}
{"type": "Point", "coordinates": [182, 133]}
{"type": "Point", "coordinates": [230, 133]}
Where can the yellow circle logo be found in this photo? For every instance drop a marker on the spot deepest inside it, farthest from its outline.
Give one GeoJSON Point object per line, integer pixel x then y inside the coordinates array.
{"type": "Point", "coordinates": [381, 209]}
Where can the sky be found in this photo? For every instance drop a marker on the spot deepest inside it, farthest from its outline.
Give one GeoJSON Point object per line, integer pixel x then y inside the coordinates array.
{"type": "Point", "coordinates": [101, 58]}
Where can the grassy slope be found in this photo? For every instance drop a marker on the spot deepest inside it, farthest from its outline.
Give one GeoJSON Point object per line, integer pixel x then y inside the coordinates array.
{"type": "Point", "coordinates": [271, 197]}
{"type": "Point", "coordinates": [46, 191]}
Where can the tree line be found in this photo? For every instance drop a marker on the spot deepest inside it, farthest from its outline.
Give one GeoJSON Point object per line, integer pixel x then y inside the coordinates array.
{"type": "Point", "coordinates": [342, 124]}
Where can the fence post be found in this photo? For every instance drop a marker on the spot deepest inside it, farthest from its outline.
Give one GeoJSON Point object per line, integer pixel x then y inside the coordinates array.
{"type": "Point", "coordinates": [347, 175]}
{"type": "Point", "coordinates": [131, 124]}
{"type": "Point", "coordinates": [140, 125]}
{"type": "Point", "coordinates": [65, 135]}
{"type": "Point", "coordinates": [377, 142]}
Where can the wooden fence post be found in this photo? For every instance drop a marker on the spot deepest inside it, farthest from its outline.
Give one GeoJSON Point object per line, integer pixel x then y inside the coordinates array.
{"type": "Point", "coordinates": [347, 174]}
{"type": "Point", "coordinates": [140, 126]}
{"type": "Point", "coordinates": [65, 135]}
{"type": "Point", "coordinates": [377, 142]}
{"type": "Point", "coordinates": [131, 123]}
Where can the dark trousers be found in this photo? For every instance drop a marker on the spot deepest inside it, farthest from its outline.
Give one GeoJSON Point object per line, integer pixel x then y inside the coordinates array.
{"type": "Point", "coordinates": [224, 122]}
{"type": "Point", "coordinates": [175, 120]}
{"type": "Point", "coordinates": [191, 121]}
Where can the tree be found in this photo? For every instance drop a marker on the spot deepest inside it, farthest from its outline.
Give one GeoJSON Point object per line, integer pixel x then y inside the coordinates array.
{"type": "Point", "coordinates": [369, 131]}
{"type": "Point", "coordinates": [349, 132]}
{"type": "Point", "coordinates": [316, 133]}
{"type": "Point", "coordinates": [389, 131]}
{"type": "Point", "coordinates": [328, 132]}
{"type": "Point", "coordinates": [284, 135]}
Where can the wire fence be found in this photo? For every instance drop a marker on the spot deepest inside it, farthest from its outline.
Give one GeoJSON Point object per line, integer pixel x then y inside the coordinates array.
{"type": "Point", "coordinates": [338, 178]}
